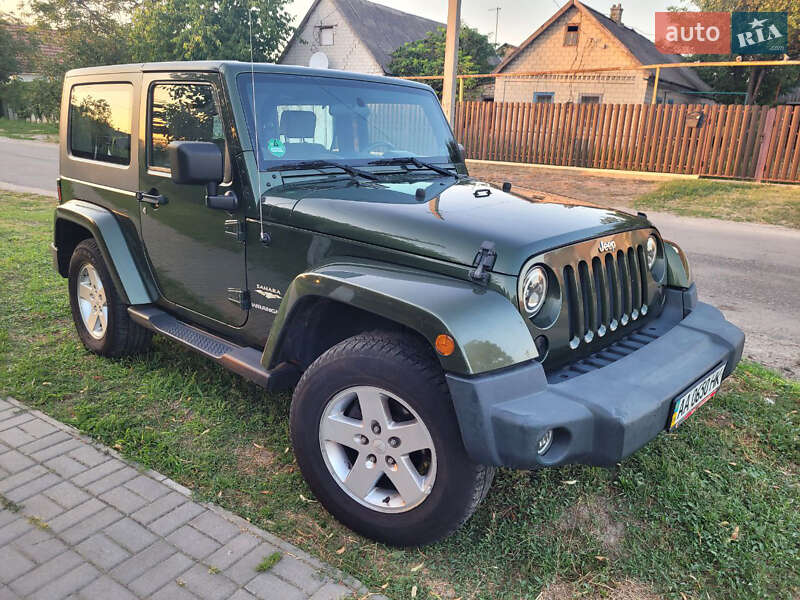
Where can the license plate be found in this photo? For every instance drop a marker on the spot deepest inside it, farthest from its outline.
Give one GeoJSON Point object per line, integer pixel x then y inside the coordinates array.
{"type": "Point", "coordinates": [695, 397]}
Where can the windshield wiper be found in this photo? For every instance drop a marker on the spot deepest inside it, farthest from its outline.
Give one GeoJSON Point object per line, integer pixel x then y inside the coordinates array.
{"type": "Point", "coordinates": [420, 164]}
{"type": "Point", "coordinates": [322, 163]}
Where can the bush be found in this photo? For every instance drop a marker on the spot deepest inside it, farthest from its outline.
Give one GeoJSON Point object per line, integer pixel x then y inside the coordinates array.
{"type": "Point", "coordinates": [39, 99]}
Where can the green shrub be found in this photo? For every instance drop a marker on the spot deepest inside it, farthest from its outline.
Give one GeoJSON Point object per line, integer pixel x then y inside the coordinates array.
{"type": "Point", "coordinates": [39, 99]}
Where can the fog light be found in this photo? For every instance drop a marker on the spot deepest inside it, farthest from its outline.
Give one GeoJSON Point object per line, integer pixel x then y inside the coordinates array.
{"type": "Point", "coordinates": [545, 442]}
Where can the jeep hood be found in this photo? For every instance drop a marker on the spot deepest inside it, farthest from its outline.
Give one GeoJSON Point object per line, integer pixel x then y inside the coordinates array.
{"type": "Point", "coordinates": [450, 223]}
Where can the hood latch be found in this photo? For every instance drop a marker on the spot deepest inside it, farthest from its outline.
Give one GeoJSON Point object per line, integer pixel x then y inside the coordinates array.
{"type": "Point", "coordinates": [483, 263]}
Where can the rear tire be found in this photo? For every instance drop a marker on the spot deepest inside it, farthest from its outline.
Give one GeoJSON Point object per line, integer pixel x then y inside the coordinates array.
{"type": "Point", "coordinates": [376, 437]}
{"type": "Point", "coordinates": [101, 318]}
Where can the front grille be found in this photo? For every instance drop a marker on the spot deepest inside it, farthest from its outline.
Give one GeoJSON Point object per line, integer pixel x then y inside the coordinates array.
{"type": "Point", "coordinates": [611, 353]}
{"type": "Point", "coordinates": [605, 292]}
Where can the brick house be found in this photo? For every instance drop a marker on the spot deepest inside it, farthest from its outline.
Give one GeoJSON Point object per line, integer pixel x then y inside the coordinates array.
{"type": "Point", "coordinates": [355, 35]}
{"type": "Point", "coordinates": [578, 37]}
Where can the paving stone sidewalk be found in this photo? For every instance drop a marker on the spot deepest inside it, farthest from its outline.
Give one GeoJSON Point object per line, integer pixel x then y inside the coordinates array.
{"type": "Point", "coordinates": [78, 521]}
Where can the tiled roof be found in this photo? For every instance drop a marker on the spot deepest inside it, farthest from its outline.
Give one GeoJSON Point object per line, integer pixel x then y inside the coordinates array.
{"type": "Point", "coordinates": [380, 28]}
{"type": "Point", "coordinates": [646, 53]}
{"type": "Point", "coordinates": [642, 49]}
{"type": "Point", "coordinates": [46, 49]}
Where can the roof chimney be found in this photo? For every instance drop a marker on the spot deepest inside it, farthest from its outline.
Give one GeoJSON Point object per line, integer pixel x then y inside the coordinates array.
{"type": "Point", "coordinates": [616, 13]}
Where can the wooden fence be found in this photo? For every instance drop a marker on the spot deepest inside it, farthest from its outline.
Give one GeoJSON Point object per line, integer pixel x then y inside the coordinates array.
{"type": "Point", "coordinates": [748, 142]}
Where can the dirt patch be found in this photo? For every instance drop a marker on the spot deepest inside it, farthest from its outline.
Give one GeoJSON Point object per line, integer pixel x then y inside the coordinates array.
{"type": "Point", "coordinates": [720, 420]}
{"type": "Point", "coordinates": [595, 516]}
{"type": "Point", "coordinates": [438, 588]}
{"type": "Point", "coordinates": [254, 460]}
{"type": "Point", "coordinates": [621, 590]}
{"type": "Point", "coordinates": [581, 186]}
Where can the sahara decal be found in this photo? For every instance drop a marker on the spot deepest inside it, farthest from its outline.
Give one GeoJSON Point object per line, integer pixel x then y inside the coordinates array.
{"type": "Point", "coordinates": [269, 293]}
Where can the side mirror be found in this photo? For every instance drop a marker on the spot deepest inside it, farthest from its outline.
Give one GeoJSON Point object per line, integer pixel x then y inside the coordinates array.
{"type": "Point", "coordinates": [462, 152]}
{"type": "Point", "coordinates": [201, 163]}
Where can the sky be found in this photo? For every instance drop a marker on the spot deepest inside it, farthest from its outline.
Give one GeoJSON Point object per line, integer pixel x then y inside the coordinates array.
{"type": "Point", "coordinates": [517, 20]}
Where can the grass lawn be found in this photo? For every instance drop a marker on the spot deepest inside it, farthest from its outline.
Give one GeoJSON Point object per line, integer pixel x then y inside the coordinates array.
{"type": "Point", "coordinates": [25, 130]}
{"type": "Point", "coordinates": [758, 203]}
{"type": "Point", "coordinates": [712, 511]}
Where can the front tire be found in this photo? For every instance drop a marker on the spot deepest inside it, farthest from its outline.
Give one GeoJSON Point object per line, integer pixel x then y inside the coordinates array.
{"type": "Point", "coordinates": [376, 437]}
{"type": "Point", "coordinates": [100, 316]}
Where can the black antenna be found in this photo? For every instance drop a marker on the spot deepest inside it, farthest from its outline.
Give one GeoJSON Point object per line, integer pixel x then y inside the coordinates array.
{"type": "Point", "coordinates": [261, 235]}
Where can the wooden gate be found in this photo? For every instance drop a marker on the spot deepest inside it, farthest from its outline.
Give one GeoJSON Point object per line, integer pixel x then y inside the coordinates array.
{"type": "Point", "coordinates": [747, 142]}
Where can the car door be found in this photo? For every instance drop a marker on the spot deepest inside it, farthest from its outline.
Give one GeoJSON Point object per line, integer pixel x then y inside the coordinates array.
{"type": "Point", "coordinates": [197, 260]}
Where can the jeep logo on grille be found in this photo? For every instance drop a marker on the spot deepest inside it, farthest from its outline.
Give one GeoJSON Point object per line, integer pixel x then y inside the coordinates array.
{"type": "Point", "coordinates": [609, 246]}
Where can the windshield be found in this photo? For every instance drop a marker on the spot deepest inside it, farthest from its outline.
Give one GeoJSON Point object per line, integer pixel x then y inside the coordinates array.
{"type": "Point", "coordinates": [303, 118]}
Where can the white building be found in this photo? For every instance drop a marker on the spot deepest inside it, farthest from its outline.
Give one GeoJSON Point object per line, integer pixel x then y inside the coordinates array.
{"type": "Point", "coordinates": [355, 35]}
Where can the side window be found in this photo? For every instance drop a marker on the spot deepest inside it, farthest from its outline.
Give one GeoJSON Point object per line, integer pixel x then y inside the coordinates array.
{"type": "Point", "coordinates": [181, 112]}
{"type": "Point", "coordinates": [326, 35]}
{"type": "Point", "coordinates": [571, 34]}
{"type": "Point", "coordinates": [590, 99]}
{"type": "Point", "coordinates": [100, 122]}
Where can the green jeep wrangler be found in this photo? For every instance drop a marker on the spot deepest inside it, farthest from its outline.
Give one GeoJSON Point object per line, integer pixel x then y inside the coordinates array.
{"type": "Point", "coordinates": [317, 229]}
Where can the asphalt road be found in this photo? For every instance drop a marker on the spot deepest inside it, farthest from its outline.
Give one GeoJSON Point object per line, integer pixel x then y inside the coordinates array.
{"type": "Point", "coordinates": [28, 166]}
{"type": "Point", "coordinates": [750, 271]}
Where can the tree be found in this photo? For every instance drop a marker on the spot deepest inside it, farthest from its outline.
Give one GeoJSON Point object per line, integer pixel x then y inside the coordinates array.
{"type": "Point", "coordinates": [89, 32]}
{"type": "Point", "coordinates": [762, 84]}
{"type": "Point", "coordinates": [204, 29]}
{"type": "Point", "coordinates": [9, 51]}
{"type": "Point", "coordinates": [426, 56]}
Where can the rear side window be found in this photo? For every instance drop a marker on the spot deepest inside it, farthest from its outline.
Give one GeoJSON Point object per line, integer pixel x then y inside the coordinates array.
{"type": "Point", "coordinates": [100, 121]}
{"type": "Point", "coordinates": [182, 112]}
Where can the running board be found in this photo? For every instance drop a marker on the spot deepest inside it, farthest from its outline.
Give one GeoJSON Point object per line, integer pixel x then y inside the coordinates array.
{"type": "Point", "coordinates": [240, 359]}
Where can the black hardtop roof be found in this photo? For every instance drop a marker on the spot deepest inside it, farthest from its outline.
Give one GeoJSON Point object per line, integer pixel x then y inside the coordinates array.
{"type": "Point", "coordinates": [234, 67]}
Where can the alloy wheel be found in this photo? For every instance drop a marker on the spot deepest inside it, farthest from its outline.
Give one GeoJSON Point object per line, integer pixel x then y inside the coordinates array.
{"type": "Point", "coordinates": [378, 449]}
{"type": "Point", "coordinates": [92, 301]}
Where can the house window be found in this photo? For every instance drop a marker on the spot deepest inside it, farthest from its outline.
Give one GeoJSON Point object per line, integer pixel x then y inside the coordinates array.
{"type": "Point", "coordinates": [590, 99]}
{"type": "Point", "coordinates": [543, 97]}
{"type": "Point", "coordinates": [326, 36]}
{"type": "Point", "coordinates": [571, 35]}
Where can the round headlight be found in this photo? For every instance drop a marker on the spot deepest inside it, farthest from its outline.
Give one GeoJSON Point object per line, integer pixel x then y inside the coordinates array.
{"type": "Point", "coordinates": [534, 290]}
{"type": "Point", "coordinates": [652, 251]}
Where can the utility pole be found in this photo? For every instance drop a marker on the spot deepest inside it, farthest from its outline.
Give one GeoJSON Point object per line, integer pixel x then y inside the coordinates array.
{"type": "Point", "coordinates": [496, 10]}
{"type": "Point", "coordinates": [451, 59]}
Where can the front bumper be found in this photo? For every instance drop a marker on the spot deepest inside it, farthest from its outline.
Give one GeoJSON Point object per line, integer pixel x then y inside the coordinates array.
{"type": "Point", "coordinates": [604, 415]}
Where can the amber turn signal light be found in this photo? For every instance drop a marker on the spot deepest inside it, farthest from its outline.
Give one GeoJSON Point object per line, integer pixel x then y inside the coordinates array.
{"type": "Point", "coordinates": [445, 344]}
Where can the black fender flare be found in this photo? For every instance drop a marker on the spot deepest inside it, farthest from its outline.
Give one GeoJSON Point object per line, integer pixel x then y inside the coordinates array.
{"type": "Point", "coordinates": [488, 330]}
{"type": "Point", "coordinates": [104, 227]}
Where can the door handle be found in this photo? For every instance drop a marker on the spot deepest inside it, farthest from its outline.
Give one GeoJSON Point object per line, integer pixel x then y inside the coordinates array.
{"type": "Point", "coordinates": [151, 197]}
